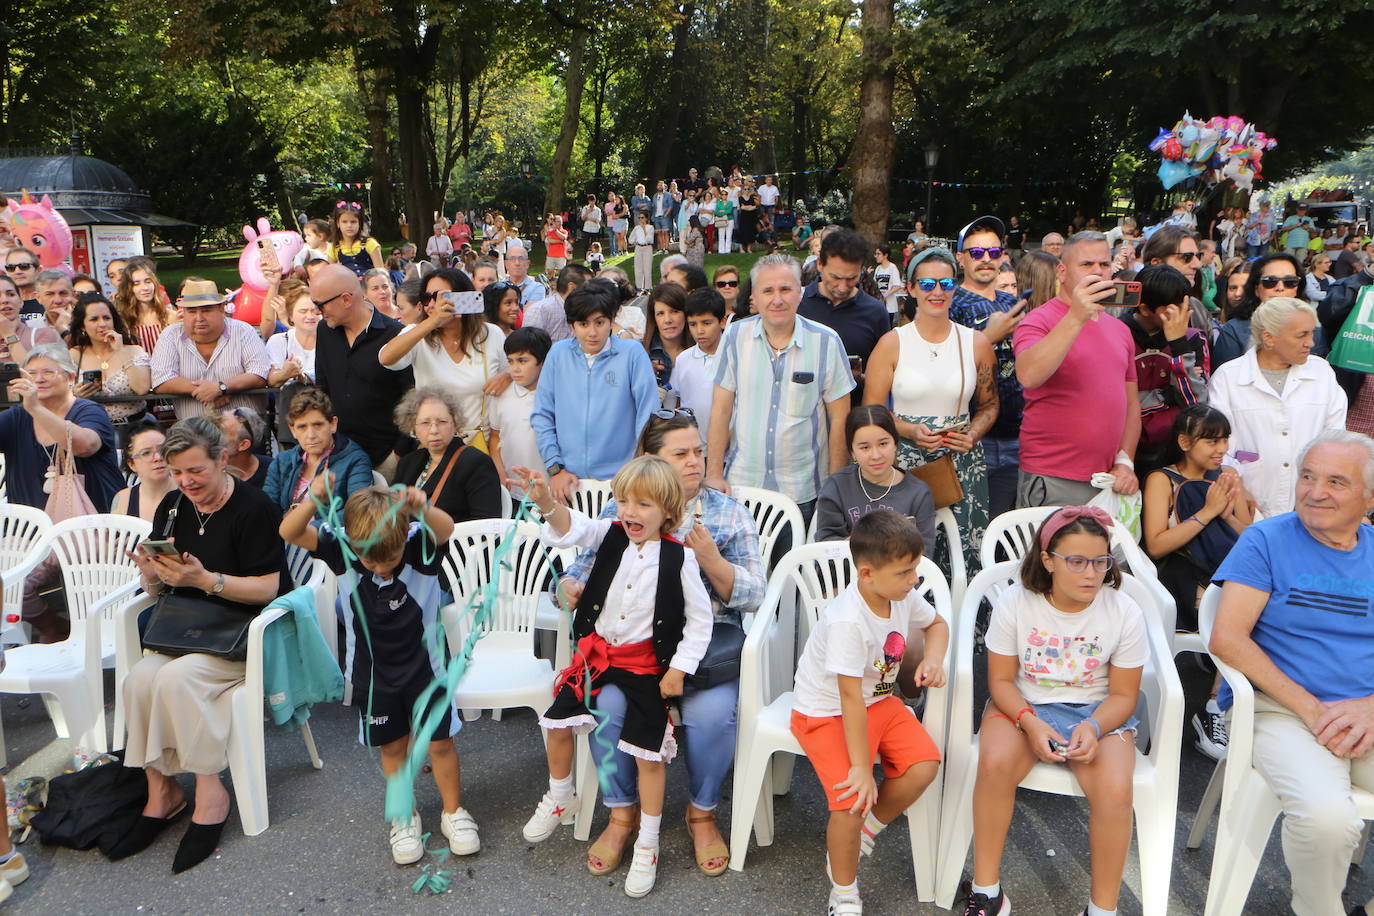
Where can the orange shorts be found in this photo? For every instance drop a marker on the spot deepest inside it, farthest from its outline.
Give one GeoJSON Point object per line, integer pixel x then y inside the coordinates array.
{"type": "Point", "coordinates": [895, 736]}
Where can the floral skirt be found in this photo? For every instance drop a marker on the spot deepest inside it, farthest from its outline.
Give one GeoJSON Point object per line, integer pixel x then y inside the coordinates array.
{"type": "Point", "coordinates": [971, 512]}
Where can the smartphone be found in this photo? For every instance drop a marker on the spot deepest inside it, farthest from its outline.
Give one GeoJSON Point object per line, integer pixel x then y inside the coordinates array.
{"type": "Point", "coordinates": [467, 303]}
{"type": "Point", "coordinates": [159, 548]}
{"type": "Point", "coordinates": [267, 253]}
{"type": "Point", "coordinates": [1125, 292]}
{"type": "Point", "coordinates": [856, 364]}
{"type": "Point", "coordinates": [1058, 748]}
{"type": "Point", "coordinates": [92, 376]}
{"type": "Point", "coordinates": [9, 372]}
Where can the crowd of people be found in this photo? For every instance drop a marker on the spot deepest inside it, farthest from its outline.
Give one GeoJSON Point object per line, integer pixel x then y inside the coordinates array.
{"type": "Point", "coordinates": [868, 386]}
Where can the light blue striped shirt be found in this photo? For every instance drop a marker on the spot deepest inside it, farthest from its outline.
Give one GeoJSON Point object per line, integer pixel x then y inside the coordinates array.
{"type": "Point", "coordinates": [779, 430]}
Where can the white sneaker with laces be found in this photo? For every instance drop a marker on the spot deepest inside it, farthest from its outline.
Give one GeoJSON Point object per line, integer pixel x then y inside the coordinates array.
{"type": "Point", "coordinates": [1210, 725]}
{"type": "Point", "coordinates": [548, 817]}
{"type": "Point", "coordinates": [643, 871]}
{"type": "Point", "coordinates": [844, 906]}
{"type": "Point", "coordinates": [16, 870]}
{"type": "Point", "coordinates": [406, 846]}
{"type": "Point", "coordinates": [461, 831]}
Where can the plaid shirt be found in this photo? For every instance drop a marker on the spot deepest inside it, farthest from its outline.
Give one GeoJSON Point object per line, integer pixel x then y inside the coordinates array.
{"type": "Point", "coordinates": [733, 530]}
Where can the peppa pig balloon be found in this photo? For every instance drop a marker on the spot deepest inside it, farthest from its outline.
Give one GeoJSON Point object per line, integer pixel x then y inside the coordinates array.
{"type": "Point", "coordinates": [42, 230]}
{"type": "Point", "coordinates": [248, 303]}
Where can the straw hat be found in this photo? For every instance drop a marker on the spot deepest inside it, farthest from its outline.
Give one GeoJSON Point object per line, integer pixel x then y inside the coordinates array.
{"type": "Point", "coordinates": [200, 293]}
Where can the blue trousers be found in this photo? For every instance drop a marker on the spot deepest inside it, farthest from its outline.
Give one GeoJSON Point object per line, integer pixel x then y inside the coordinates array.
{"type": "Point", "coordinates": [708, 719]}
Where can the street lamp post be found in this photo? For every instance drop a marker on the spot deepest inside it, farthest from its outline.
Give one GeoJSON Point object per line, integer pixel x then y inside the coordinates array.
{"type": "Point", "coordinates": [932, 152]}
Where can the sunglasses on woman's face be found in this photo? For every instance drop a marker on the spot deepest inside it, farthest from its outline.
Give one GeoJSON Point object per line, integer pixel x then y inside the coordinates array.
{"type": "Point", "coordinates": [928, 284]}
{"type": "Point", "coordinates": [726, 284]}
{"type": "Point", "coordinates": [1272, 282]}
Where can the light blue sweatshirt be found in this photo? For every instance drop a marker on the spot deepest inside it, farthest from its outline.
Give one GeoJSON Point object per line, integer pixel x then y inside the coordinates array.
{"type": "Point", "coordinates": [589, 419]}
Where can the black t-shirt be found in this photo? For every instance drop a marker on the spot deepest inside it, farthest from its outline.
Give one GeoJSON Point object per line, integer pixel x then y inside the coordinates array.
{"type": "Point", "coordinates": [364, 392]}
{"type": "Point", "coordinates": [1347, 263]}
{"type": "Point", "coordinates": [259, 477]}
{"type": "Point", "coordinates": [240, 538]}
{"type": "Point", "coordinates": [1016, 238]}
{"type": "Point", "coordinates": [473, 490]}
{"type": "Point", "coordinates": [31, 308]}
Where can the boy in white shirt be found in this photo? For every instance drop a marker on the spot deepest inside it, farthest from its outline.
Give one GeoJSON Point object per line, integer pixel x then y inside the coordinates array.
{"type": "Point", "coordinates": [694, 372]}
{"type": "Point", "coordinates": [512, 438]}
{"type": "Point", "coordinates": [844, 710]}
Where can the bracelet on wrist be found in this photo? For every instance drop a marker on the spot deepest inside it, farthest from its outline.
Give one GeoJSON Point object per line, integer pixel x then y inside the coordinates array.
{"type": "Point", "coordinates": [1024, 710]}
{"type": "Point", "coordinates": [1096, 726]}
{"type": "Point", "coordinates": [1194, 518]}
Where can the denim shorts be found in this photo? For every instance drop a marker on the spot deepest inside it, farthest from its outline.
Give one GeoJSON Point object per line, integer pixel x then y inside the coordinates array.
{"type": "Point", "coordinates": [1064, 717]}
{"type": "Point", "coordinates": [662, 223]}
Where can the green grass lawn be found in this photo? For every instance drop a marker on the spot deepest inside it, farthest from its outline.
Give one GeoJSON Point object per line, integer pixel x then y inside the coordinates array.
{"type": "Point", "coordinates": [223, 266]}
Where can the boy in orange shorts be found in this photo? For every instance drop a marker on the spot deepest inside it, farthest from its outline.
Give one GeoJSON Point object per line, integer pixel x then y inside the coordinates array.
{"type": "Point", "coordinates": [844, 710]}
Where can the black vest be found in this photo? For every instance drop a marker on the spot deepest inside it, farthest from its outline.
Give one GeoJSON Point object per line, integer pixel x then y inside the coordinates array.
{"type": "Point", "coordinates": [669, 606]}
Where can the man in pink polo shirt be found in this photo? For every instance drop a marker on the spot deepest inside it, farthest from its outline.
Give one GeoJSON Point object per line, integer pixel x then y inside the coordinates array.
{"type": "Point", "coordinates": [1077, 366]}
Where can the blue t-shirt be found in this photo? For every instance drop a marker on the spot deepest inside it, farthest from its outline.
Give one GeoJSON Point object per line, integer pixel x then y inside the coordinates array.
{"type": "Point", "coordinates": [26, 461]}
{"type": "Point", "coordinates": [1317, 626]}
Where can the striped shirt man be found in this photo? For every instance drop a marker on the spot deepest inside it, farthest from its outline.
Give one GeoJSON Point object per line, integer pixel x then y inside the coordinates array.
{"type": "Point", "coordinates": [239, 351]}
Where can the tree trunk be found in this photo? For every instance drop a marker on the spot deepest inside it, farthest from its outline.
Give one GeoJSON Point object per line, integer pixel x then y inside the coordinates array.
{"type": "Point", "coordinates": [797, 184]}
{"type": "Point", "coordinates": [567, 132]}
{"type": "Point", "coordinates": [870, 161]}
{"type": "Point", "coordinates": [411, 133]}
{"type": "Point", "coordinates": [372, 96]}
{"type": "Point", "coordinates": [670, 115]}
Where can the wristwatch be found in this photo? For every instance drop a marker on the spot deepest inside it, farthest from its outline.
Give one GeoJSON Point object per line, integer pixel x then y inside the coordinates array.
{"type": "Point", "coordinates": [223, 388]}
{"type": "Point", "coordinates": [555, 469]}
{"type": "Point", "coordinates": [219, 585]}
{"type": "Point", "coordinates": [12, 339]}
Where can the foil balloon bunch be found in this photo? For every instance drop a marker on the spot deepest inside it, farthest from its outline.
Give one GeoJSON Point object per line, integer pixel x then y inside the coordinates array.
{"type": "Point", "coordinates": [1214, 150]}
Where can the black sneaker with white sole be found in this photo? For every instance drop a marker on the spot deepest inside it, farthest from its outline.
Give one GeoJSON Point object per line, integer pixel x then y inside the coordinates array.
{"type": "Point", "coordinates": [983, 905]}
{"type": "Point", "coordinates": [1211, 733]}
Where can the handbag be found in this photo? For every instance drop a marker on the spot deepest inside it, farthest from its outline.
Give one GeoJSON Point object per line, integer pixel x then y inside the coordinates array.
{"type": "Point", "coordinates": [940, 474]}
{"type": "Point", "coordinates": [181, 624]}
{"type": "Point", "coordinates": [720, 663]}
{"type": "Point", "coordinates": [68, 498]}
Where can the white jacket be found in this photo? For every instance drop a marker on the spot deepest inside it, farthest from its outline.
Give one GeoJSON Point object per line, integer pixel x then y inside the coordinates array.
{"type": "Point", "coordinates": [1275, 427]}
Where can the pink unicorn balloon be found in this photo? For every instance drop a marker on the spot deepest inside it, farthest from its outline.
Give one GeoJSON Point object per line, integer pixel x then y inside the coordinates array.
{"type": "Point", "coordinates": [42, 230]}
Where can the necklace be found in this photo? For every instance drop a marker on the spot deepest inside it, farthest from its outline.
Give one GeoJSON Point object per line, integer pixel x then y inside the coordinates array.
{"type": "Point", "coordinates": [883, 495]}
{"type": "Point", "coordinates": [203, 520]}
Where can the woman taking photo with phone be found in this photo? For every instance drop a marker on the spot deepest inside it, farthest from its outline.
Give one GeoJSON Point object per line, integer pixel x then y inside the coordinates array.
{"type": "Point", "coordinates": [932, 368]}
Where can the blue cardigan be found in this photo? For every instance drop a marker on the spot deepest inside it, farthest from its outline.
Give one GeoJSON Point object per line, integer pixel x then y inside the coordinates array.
{"type": "Point", "coordinates": [350, 464]}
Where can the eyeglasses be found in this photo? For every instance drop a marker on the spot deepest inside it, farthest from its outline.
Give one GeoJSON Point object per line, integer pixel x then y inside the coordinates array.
{"type": "Point", "coordinates": [927, 284]}
{"type": "Point", "coordinates": [143, 454]}
{"type": "Point", "coordinates": [675, 412]}
{"type": "Point", "coordinates": [1272, 282]}
{"type": "Point", "coordinates": [726, 284]}
{"type": "Point", "coordinates": [977, 253]}
{"type": "Point", "coordinates": [25, 265]}
{"type": "Point", "coordinates": [1187, 256]}
{"type": "Point", "coordinates": [1077, 564]}
{"type": "Point", "coordinates": [321, 305]}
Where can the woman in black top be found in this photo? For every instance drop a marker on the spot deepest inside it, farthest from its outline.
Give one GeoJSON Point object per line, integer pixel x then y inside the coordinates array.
{"type": "Point", "coordinates": [178, 709]}
{"type": "Point", "coordinates": [460, 480]}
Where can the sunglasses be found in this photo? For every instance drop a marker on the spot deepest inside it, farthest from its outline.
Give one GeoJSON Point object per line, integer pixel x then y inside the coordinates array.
{"type": "Point", "coordinates": [321, 305]}
{"type": "Point", "coordinates": [1078, 564]}
{"type": "Point", "coordinates": [1271, 282]}
{"type": "Point", "coordinates": [927, 284]}
{"type": "Point", "coordinates": [28, 265]}
{"type": "Point", "coordinates": [1187, 256]}
{"type": "Point", "coordinates": [726, 284]}
{"type": "Point", "coordinates": [675, 412]}
{"type": "Point", "coordinates": [978, 253]}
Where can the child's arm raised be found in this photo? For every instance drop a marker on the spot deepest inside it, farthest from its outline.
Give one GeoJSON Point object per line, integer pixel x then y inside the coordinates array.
{"type": "Point", "coordinates": [439, 521]}
{"type": "Point", "coordinates": [1003, 671]}
{"type": "Point", "coordinates": [556, 515]}
{"type": "Point", "coordinates": [295, 525]}
{"type": "Point", "coordinates": [854, 713]}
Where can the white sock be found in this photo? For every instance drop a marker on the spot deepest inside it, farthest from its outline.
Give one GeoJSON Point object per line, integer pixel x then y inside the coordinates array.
{"type": "Point", "coordinates": [7, 856]}
{"type": "Point", "coordinates": [561, 789]}
{"type": "Point", "coordinates": [844, 890]}
{"type": "Point", "coordinates": [648, 830]}
{"type": "Point", "coordinates": [1212, 707]}
{"type": "Point", "coordinates": [992, 890]}
{"type": "Point", "coordinates": [1095, 910]}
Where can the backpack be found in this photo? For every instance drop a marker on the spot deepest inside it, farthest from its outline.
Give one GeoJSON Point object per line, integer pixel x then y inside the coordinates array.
{"type": "Point", "coordinates": [93, 807]}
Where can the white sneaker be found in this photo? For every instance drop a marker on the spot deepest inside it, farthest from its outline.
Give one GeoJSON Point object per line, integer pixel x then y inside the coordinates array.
{"type": "Point", "coordinates": [16, 870]}
{"type": "Point", "coordinates": [643, 872]}
{"type": "Point", "coordinates": [461, 831]}
{"type": "Point", "coordinates": [406, 846]}
{"type": "Point", "coordinates": [548, 817]}
{"type": "Point", "coordinates": [844, 906]}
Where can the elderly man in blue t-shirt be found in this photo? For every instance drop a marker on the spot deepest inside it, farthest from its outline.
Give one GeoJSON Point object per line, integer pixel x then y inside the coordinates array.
{"type": "Point", "coordinates": [1297, 619]}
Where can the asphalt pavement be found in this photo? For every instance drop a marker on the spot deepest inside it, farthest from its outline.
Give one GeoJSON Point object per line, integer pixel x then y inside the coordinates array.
{"type": "Point", "coordinates": [326, 850]}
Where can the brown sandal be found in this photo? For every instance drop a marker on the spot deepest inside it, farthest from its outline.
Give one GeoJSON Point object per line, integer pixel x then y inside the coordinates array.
{"type": "Point", "coordinates": [612, 857]}
{"type": "Point", "coordinates": [710, 851]}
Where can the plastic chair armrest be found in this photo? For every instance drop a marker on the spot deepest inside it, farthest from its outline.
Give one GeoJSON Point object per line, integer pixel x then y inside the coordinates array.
{"type": "Point", "coordinates": [252, 676]}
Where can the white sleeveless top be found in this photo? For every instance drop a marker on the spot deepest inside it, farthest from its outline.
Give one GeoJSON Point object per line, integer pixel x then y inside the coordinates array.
{"type": "Point", "coordinates": [926, 381]}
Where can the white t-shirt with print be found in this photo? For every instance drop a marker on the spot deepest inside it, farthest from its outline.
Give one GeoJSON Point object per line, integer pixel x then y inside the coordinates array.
{"type": "Point", "coordinates": [851, 640]}
{"type": "Point", "coordinates": [1064, 657]}
{"type": "Point", "coordinates": [888, 278]}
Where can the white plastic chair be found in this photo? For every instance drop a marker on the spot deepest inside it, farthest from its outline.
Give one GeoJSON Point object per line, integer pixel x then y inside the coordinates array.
{"type": "Point", "coordinates": [591, 496]}
{"type": "Point", "coordinates": [805, 581]}
{"type": "Point", "coordinates": [504, 672]}
{"type": "Point", "coordinates": [378, 480]}
{"type": "Point", "coordinates": [20, 528]}
{"type": "Point", "coordinates": [91, 551]}
{"type": "Point", "coordinates": [772, 513]}
{"type": "Point", "coordinates": [306, 570]}
{"type": "Point", "coordinates": [1156, 772]}
{"type": "Point", "coordinates": [247, 753]}
{"type": "Point", "coordinates": [4, 488]}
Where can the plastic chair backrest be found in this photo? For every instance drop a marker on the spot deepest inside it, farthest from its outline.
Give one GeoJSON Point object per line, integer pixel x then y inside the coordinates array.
{"type": "Point", "coordinates": [1013, 532]}
{"type": "Point", "coordinates": [591, 496]}
{"type": "Point", "coordinates": [20, 528]}
{"type": "Point", "coordinates": [773, 512]}
{"type": "Point", "coordinates": [91, 549]}
{"type": "Point", "coordinates": [522, 577]}
{"type": "Point", "coordinates": [378, 480]}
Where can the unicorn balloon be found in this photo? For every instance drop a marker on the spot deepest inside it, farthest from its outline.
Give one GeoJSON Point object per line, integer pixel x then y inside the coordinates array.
{"type": "Point", "coordinates": [42, 230]}
{"type": "Point", "coordinates": [248, 306]}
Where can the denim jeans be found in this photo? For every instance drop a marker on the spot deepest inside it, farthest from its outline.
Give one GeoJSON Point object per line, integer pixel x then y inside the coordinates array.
{"type": "Point", "coordinates": [1003, 457]}
{"type": "Point", "coordinates": [708, 719]}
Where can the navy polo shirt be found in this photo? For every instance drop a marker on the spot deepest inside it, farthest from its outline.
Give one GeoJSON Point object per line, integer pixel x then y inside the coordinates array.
{"type": "Point", "coordinates": [859, 320]}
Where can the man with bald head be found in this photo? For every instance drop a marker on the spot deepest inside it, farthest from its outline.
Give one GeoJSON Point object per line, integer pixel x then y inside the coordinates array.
{"type": "Point", "coordinates": [364, 392]}
{"type": "Point", "coordinates": [532, 289]}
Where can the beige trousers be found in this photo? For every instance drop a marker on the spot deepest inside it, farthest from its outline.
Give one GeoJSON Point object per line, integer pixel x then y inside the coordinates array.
{"type": "Point", "coordinates": [178, 711]}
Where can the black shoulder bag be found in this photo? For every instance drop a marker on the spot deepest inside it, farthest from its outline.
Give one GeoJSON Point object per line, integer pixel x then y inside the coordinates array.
{"type": "Point", "coordinates": [182, 624]}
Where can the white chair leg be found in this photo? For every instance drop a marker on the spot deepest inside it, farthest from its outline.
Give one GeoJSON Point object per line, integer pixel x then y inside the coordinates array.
{"type": "Point", "coordinates": [1154, 830]}
{"type": "Point", "coordinates": [247, 767]}
{"type": "Point", "coordinates": [1358, 856]}
{"type": "Point", "coordinates": [309, 738]}
{"type": "Point", "coordinates": [58, 715]}
{"type": "Point", "coordinates": [956, 833]}
{"type": "Point", "coordinates": [584, 771]}
{"type": "Point", "coordinates": [4, 758]}
{"type": "Point", "coordinates": [783, 764]}
{"type": "Point", "coordinates": [496, 715]}
{"type": "Point", "coordinates": [471, 714]}
{"type": "Point", "coordinates": [750, 776]}
{"type": "Point", "coordinates": [763, 814]}
{"type": "Point", "coordinates": [1207, 808]}
{"type": "Point", "coordinates": [922, 824]}
{"type": "Point", "coordinates": [1242, 834]}
{"type": "Point", "coordinates": [117, 737]}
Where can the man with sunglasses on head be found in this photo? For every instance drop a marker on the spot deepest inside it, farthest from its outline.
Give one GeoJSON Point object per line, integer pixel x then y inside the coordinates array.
{"type": "Point", "coordinates": [21, 265]}
{"type": "Point", "coordinates": [978, 304]}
